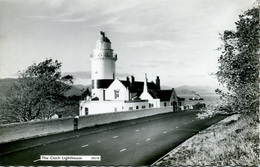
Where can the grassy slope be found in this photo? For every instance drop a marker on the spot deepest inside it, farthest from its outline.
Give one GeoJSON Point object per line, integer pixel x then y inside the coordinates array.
{"type": "Point", "coordinates": [232, 141]}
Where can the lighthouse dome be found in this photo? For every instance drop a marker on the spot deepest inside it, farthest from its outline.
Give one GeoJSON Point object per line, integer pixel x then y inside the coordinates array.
{"type": "Point", "coordinates": [104, 39]}
{"type": "Point", "coordinates": [103, 43]}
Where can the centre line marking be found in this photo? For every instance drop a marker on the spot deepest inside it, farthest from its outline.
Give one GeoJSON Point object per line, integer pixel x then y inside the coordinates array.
{"type": "Point", "coordinates": [176, 126]}
{"type": "Point", "coordinates": [137, 143]}
{"type": "Point", "coordinates": [98, 141]}
{"type": "Point", "coordinates": [165, 132]}
{"type": "Point", "coordinates": [185, 123]}
{"type": "Point", "coordinates": [85, 145]}
{"type": "Point", "coordinates": [115, 137]}
{"type": "Point", "coordinates": [148, 139]}
{"type": "Point", "coordinates": [123, 150]}
{"type": "Point", "coordinates": [137, 130]}
{"type": "Point", "coordinates": [36, 160]}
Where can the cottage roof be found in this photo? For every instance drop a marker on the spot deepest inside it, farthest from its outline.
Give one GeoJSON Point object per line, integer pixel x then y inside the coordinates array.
{"type": "Point", "coordinates": [134, 87]}
{"type": "Point", "coordinates": [181, 98]}
{"type": "Point", "coordinates": [104, 83]}
{"type": "Point", "coordinates": [163, 95]}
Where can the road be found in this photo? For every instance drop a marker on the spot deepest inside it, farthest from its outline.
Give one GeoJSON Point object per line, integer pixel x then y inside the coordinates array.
{"type": "Point", "coordinates": [136, 142]}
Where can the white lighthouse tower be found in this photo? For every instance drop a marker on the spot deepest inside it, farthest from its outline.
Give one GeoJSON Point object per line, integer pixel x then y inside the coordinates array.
{"type": "Point", "coordinates": [103, 66]}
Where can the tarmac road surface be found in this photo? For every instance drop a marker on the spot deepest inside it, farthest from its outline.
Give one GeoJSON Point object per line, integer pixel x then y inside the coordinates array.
{"type": "Point", "coordinates": [135, 142]}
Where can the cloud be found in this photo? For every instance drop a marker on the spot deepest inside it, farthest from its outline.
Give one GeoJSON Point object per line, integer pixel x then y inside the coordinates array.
{"type": "Point", "coordinates": [71, 20]}
{"type": "Point", "coordinates": [55, 3]}
{"type": "Point", "coordinates": [87, 74]}
{"type": "Point", "coordinates": [159, 44]}
{"type": "Point", "coordinates": [123, 74]}
{"type": "Point", "coordinates": [79, 74]}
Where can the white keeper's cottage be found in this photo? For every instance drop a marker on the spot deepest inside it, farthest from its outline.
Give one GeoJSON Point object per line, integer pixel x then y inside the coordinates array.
{"type": "Point", "coordinates": [110, 94]}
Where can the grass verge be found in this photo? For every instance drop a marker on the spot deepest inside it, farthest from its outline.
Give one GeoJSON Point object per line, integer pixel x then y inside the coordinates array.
{"type": "Point", "coordinates": [232, 141]}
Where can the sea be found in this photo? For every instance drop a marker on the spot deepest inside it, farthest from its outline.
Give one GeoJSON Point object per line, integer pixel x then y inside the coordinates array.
{"type": "Point", "coordinates": [209, 100]}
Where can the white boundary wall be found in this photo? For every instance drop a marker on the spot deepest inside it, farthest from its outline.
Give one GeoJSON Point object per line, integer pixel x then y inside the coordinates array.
{"type": "Point", "coordinates": [17, 131]}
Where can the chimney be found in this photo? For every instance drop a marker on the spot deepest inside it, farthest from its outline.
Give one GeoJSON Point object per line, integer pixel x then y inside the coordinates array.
{"type": "Point", "coordinates": [158, 86]}
{"type": "Point", "coordinates": [131, 84]}
{"type": "Point", "coordinates": [128, 81]}
{"type": "Point", "coordinates": [132, 79]}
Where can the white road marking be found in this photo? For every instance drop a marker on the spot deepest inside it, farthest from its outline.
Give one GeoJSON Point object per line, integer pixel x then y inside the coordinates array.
{"type": "Point", "coordinates": [148, 139]}
{"type": "Point", "coordinates": [185, 123]}
{"type": "Point", "coordinates": [171, 129]}
{"type": "Point", "coordinates": [192, 120]}
{"type": "Point", "coordinates": [137, 143]}
{"type": "Point", "coordinates": [115, 137]}
{"type": "Point", "coordinates": [123, 150]}
{"type": "Point", "coordinates": [98, 141]}
{"type": "Point", "coordinates": [137, 130]}
{"type": "Point", "coordinates": [165, 132]}
{"type": "Point", "coordinates": [85, 145]}
{"type": "Point", "coordinates": [143, 128]}
{"type": "Point", "coordinates": [36, 160]}
{"type": "Point", "coordinates": [176, 126]}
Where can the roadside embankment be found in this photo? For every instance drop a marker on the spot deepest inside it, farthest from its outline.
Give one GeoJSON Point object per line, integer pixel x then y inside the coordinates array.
{"type": "Point", "coordinates": [17, 131]}
{"type": "Point", "coordinates": [232, 141]}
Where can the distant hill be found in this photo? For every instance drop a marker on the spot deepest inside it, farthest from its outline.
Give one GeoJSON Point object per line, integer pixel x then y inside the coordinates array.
{"type": "Point", "coordinates": [191, 90]}
{"type": "Point", "coordinates": [77, 89]}
{"type": "Point", "coordinates": [7, 82]}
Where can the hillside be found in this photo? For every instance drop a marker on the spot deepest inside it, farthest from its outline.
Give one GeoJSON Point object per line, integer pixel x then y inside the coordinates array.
{"type": "Point", "coordinates": [191, 90]}
{"type": "Point", "coordinates": [7, 82]}
{"type": "Point", "coordinates": [5, 85]}
{"type": "Point", "coordinates": [76, 89]}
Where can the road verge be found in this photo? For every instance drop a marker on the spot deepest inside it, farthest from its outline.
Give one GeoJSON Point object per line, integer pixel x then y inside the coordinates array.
{"type": "Point", "coordinates": [231, 141]}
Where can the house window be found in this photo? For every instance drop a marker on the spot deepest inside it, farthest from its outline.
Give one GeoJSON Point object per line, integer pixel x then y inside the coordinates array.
{"type": "Point", "coordinates": [130, 108]}
{"type": "Point", "coordinates": [115, 109]}
{"type": "Point", "coordinates": [143, 107]}
{"type": "Point", "coordinates": [150, 105]}
{"type": "Point", "coordinates": [165, 104]}
{"type": "Point", "coordinates": [86, 111]}
{"type": "Point", "coordinates": [137, 107]}
{"type": "Point", "coordinates": [116, 94]}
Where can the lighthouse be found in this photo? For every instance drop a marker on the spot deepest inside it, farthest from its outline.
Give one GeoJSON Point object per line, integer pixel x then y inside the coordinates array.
{"type": "Point", "coordinates": [110, 94]}
{"type": "Point", "coordinates": [103, 65]}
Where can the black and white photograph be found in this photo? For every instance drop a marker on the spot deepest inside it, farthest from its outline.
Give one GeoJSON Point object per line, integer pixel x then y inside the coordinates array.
{"type": "Point", "coordinates": [129, 83]}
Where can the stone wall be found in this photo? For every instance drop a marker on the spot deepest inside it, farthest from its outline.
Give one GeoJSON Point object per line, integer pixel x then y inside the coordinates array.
{"type": "Point", "coordinates": [98, 119]}
{"type": "Point", "coordinates": [12, 132]}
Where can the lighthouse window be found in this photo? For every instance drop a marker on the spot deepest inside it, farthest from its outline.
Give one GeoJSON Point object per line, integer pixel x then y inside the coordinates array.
{"type": "Point", "coordinates": [116, 94]}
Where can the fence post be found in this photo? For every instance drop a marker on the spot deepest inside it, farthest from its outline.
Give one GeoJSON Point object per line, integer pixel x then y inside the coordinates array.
{"type": "Point", "coordinates": [76, 122]}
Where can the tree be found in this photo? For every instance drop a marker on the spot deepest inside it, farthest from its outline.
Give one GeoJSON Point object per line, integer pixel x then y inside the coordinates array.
{"type": "Point", "coordinates": [238, 67]}
{"type": "Point", "coordinates": [38, 91]}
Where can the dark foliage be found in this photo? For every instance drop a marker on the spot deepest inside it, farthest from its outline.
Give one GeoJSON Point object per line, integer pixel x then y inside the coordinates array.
{"type": "Point", "coordinates": [239, 65]}
{"type": "Point", "coordinates": [38, 93]}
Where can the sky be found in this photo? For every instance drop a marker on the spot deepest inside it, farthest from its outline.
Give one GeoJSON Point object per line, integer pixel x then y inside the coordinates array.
{"type": "Point", "coordinates": [174, 39]}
